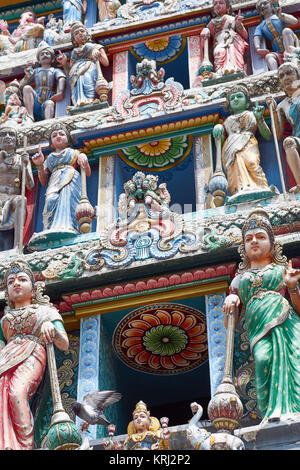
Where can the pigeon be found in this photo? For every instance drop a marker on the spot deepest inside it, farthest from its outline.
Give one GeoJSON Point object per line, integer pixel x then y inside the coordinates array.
{"type": "Point", "coordinates": [93, 405]}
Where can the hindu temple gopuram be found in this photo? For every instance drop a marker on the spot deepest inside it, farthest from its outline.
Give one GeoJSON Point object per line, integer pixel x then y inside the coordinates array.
{"type": "Point", "coordinates": [149, 225]}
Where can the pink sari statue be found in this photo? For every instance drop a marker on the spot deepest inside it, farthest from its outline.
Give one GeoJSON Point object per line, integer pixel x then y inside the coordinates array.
{"type": "Point", "coordinates": [229, 39]}
{"type": "Point", "coordinates": [28, 324]}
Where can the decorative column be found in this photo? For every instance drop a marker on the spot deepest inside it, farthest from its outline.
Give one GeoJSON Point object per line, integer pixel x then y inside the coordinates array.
{"type": "Point", "coordinates": [194, 55]}
{"type": "Point", "coordinates": [88, 370]}
{"type": "Point", "coordinates": [203, 169]}
{"type": "Point", "coordinates": [106, 192]}
{"type": "Point", "coordinates": [216, 337]}
{"type": "Point", "coordinates": [120, 73]}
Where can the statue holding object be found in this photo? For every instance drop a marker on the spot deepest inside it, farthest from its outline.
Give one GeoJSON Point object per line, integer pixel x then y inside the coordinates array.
{"type": "Point", "coordinates": [49, 86]}
{"type": "Point", "coordinates": [145, 432]}
{"type": "Point", "coordinates": [262, 283]}
{"type": "Point", "coordinates": [73, 11]}
{"type": "Point", "coordinates": [29, 324]}
{"type": "Point", "coordinates": [273, 29]}
{"type": "Point", "coordinates": [11, 199]}
{"type": "Point", "coordinates": [229, 38]}
{"type": "Point", "coordinates": [240, 152]}
{"type": "Point", "coordinates": [289, 110]}
{"type": "Point", "coordinates": [84, 70]}
{"type": "Point", "coordinates": [28, 34]}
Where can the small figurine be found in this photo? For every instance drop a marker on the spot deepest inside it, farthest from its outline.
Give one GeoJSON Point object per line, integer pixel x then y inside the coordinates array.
{"type": "Point", "coordinates": [272, 28]}
{"type": "Point", "coordinates": [28, 34]}
{"type": "Point", "coordinates": [30, 322]}
{"type": "Point", "coordinates": [64, 181]}
{"type": "Point", "coordinates": [145, 432]}
{"type": "Point", "coordinates": [229, 39]}
{"type": "Point", "coordinates": [84, 69]}
{"type": "Point", "coordinates": [240, 153]}
{"type": "Point", "coordinates": [15, 112]}
{"type": "Point", "coordinates": [73, 11]}
{"type": "Point", "coordinates": [289, 110]}
{"type": "Point", "coordinates": [268, 287]}
{"type": "Point", "coordinates": [107, 9]}
{"type": "Point", "coordinates": [49, 86]}
{"type": "Point", "coordinates": [11, 165]}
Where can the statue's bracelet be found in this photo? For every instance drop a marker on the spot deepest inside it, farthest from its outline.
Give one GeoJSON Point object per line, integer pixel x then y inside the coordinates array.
{"type": "Point", "coordinates": [40, 167]}
{"type": "Point", "coordinates": [293, 290]}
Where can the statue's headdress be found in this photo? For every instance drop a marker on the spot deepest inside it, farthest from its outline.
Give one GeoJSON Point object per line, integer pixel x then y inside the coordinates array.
{"type": "Point", "coordinates": [42, 48]}
{"type": "Point", "coordinates": [235, 89]}
{"type": "Point", "coordinates": [56, 127]}
{"type": "Point", "coordinates": [19, 265]}
{"type": "Point", "coordinates": [142, 407]}
{"type": "Point", "coordinates": [75, 27]}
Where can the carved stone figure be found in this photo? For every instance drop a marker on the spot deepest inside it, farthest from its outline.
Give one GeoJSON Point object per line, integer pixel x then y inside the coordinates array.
{"type": "Point", "coordinates": [28, 34]}
{"type": "Point", "coordinates": [15, 112]}
{"type": "Point", "coordinates": [10, 185]}
{"type": "Point", "coordinates": [107, 9]}
{"type": "Point", "coordinates": [49, 86]}
{"type": "Point", "coordinates": [289, 110]}
{"type": "Point", "coordinates": [228, 39]}
{"type": "Point", "coordinates": [272, 28]}
{"type": "Point", "coordinates": [73, 11]}
{"type": "Point", "coordinates": [240, 153]}
{"type": "Point", "coordinates": [58, 170]}
{"type": "Point", "coordinates": [268, 288]}
{"type": "Point", "coordinates": [145, 432]}
{"type": "Point", "coordinates": [84, 69]}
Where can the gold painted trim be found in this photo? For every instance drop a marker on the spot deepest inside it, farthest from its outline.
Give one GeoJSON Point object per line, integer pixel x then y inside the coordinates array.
{"type": "Point", "coordinates": [156, 297]}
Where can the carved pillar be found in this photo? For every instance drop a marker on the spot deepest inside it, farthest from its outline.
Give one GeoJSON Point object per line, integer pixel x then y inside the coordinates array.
{"type": "Point", "coordinates": [88, 370]}
{"type": "Point", "coordinates": [216, 337]}
{"type": "Point", "coordinates": [91, 16]}
{"type": "Point", "coordinates": [106, 192]}
{"type": "Point", "coordinates": [193, 58]}
{"type": "Point", "coordinates": [203, 169]}
{"type": "Point", "coordinates": [120, 73]}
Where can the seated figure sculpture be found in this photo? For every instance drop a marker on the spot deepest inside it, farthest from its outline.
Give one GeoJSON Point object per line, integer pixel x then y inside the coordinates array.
{"type": "Point", "coordinates": [144, 431]}
{"type": "Point", "coordinates": [273, 29]}
{"type": "Point", "coordinates": [10, 186]}
{"type": "Point", "coordinates": [49, 86]}
{"type": "Point", "coordinates": [28, 34]}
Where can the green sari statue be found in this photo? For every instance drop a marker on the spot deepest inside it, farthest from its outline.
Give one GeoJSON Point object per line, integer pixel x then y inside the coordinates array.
{"type": "Point", "coordinates": [272, 322]}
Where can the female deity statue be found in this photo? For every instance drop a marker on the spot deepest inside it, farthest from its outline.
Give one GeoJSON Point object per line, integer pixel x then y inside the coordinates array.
{"type": "Point", "coordinates": [84, 69]}
{"type": "Point", "coordinates": [64, 181]}
{"type": "Point", "coordinates": [144, 431]}
{"type": "Point", "coordinates": [30, 322]}
{"type": "Point", "coordinates": [229, 38]}
{"type": "Point", "coordinates": [268, 287]}
{"type": "Point", "coordinates": [240, 153]}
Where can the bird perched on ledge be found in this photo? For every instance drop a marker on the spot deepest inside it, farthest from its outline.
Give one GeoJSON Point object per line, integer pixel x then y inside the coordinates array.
{"type": "Point", "coordinates": [92, 408]}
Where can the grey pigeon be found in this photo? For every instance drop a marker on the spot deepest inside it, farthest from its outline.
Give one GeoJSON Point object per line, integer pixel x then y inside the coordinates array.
{"type": "Point", "coordinates": [93, 405]}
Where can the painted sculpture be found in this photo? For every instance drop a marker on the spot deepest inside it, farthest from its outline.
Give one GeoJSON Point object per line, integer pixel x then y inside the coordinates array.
{"type": "Point", "coordinates": [145, 432]}
{"type": "Point", "coordinates": [240, 152]}
{"type": "Point", "coordinates": [84, 70]}
{"type": "Point", "coordinates": [64, 181]}
{"type": "Point", "coordinates": [289, 110]}
{"type": "Point", "coordinates": [107, 9]}
{"type": "Point", "coordinates": [30, 322]}
{"type": "Point", "coordinates": [11, 199]}
{"type": "Point", "coordinates": [73, 11]}
{"type": "Point", "coordinates": [49, 85]}
{"type": "Point", "coordinates": [229, 38]}
{"type": "Point", "coordinates": [273, 30]}
{"type": "Point", "coordinates": [15, 111]}
{"type": "Point", "coordinates": [268, 288]}
{"type": "Point", "coordinates": [28, 34]}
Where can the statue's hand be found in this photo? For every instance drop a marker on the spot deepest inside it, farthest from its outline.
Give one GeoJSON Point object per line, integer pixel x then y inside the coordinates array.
{"type": "Point", "coordinates": [262, 52]}
{"type": "Point", "coordinates": [48, 332]}
{"type": "Point", "coordinates": [205, 33]}
{"type": "Point", "coordinates": [239, 19]}
{"type": "Point", "coordinates": [271, 103]}
{"type": "Point", "coordinates": [258, 111]}
{"type": "Point", "coordinates": [25, 158]}
{"type": "Point", "coordinates": [3, 26]}
{"type": "Point", "coordinates": [231, 302]}
{"type": "Point", "coordinates": [218, 131]}
{"type": "Point", "coordinates": [61, 58]}
{"type": "Point", "coordinates": [38, 158]}
{"type": "Point", "coordinates": [291, 276]}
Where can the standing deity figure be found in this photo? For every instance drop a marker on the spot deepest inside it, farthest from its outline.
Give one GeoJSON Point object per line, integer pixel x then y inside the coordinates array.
{"type": "Point", "coordinates": [11, 165]}
{"type": "Point", "coordinates": [28, 34]}
{"type": "Point", "coordinates": [49, 85]}
{"type": "Point", "coordinates": [107, 9]}
{"type": "Point", "coordinates": [73, 11]}
{"type": "Point", "coordinates": [84, 68]}
{"type": "Point", "coordinates": [30, 322]}
{"type": "Point", "coordinates": [240, 153]}
{"type": "Point", "coordinates": [64, 181]}
{"type": "Point", "coordinates": [272, 28]}
{"type": "Point", "coordinates": [268, 287]}
{"type": "Point", "coordinates": [289, 110]}
{"type": "Point", "coordinates": [229, 38]}
{"type": "Point", "coordinates": [145, 432]}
